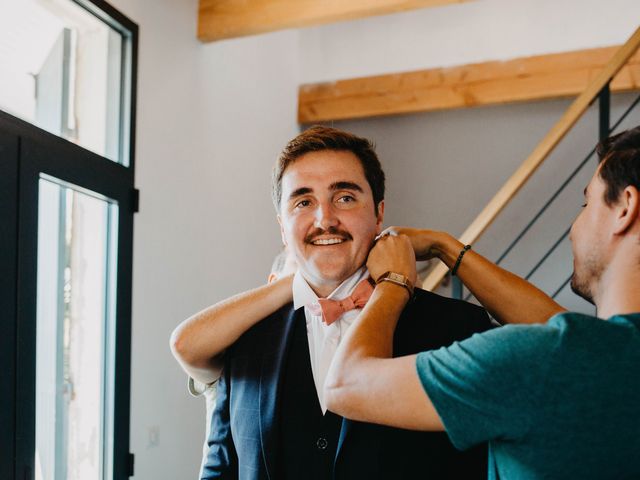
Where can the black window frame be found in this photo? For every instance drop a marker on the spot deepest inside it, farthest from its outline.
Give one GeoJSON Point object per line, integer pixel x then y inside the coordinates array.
{"type": "Point", "coordinates": [27, 152]}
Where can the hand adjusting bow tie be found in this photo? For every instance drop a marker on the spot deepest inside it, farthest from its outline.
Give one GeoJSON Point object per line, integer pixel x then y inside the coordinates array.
{"type": "Point", "coordinates": [332, 310]}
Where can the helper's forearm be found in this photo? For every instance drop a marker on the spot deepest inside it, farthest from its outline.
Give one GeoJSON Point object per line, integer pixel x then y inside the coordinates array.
{"type": "Point", "coordinates": [370, 338]}
{"type": "Point", "coordinates": [198, 342]}
{"type": "Point", "coordinates": [372, 335]}
{"type": "Point", "coordinates": [507, 297]}
{"type": "Point", "coordinates": [364, 383]}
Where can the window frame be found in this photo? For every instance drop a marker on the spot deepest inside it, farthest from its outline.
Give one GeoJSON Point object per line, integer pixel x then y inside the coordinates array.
{"type": "Point", "coordinates": [26, 153]}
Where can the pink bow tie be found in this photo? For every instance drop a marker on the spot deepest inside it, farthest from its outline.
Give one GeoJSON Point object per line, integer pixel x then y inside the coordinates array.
{"type": "Point", "coordinates": [332, 310]}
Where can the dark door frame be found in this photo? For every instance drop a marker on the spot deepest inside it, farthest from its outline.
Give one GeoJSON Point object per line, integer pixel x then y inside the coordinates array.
{"type": "Point", "coordinates": [26, 153]}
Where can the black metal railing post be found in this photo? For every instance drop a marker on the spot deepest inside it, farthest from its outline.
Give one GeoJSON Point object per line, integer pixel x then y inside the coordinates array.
{"type": "Point", "coordinates": [456, 288]}
{"type": "Point", "coordinates": [604, 112]}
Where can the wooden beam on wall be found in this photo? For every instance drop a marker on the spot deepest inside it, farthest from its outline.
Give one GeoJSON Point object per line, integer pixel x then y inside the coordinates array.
{"type": "Point", "coordinates": [219, 19]}
{"type": "Point", "coordinates": [519, 80]}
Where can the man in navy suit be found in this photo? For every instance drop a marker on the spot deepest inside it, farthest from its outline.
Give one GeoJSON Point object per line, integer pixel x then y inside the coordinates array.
{"type": "Point", "coordinates": [270, 420]}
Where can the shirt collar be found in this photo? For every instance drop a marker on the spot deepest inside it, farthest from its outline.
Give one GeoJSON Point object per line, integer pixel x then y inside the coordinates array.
{"type": "Point", "coordinates": [303, 294]}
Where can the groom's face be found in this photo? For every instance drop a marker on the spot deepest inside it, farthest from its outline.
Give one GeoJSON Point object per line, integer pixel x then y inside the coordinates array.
{"type": "Point", "coordinates": [327, 216]}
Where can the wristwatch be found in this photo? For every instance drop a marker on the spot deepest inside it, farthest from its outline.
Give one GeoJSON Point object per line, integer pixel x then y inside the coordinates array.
{"type": "Point", "coordinates": [398, 279]}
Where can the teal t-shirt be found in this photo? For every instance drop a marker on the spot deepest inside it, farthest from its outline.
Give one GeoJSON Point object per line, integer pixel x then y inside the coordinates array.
{"type": "Point", "coordinates": [559, 400]}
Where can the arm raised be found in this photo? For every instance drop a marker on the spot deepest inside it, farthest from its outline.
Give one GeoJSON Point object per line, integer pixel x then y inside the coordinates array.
{"type": "Point", "coordinates": [507, 297]}
{"type": "Point", "coordinates": [199, 342]}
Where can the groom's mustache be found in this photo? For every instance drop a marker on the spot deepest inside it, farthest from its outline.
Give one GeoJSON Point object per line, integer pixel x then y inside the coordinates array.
{"type": "Point", "coordinates": [330, 231]}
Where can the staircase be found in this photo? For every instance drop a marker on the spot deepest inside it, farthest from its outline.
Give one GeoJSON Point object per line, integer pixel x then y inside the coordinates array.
{"type": "Point", "coordinates": [563, 162]}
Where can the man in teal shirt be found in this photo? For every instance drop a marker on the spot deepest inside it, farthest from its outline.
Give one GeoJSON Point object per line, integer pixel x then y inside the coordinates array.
{"type": "Point", "coordinates": [557, 397]}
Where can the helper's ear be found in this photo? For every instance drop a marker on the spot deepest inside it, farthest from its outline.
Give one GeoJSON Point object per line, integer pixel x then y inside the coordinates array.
{"type": "Point", "coordinates": [627, 210]}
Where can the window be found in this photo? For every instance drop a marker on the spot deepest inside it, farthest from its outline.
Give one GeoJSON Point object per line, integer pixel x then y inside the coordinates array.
{"type": "Point", "coordinates": [67, 200]}
{"type": "Point", "coordinates": [75, 326]}
{"type": "Point", "coordinates": [66, 71]}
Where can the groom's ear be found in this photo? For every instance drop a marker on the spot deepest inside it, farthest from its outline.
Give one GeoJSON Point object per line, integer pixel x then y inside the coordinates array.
{"type": "Point", "coordinates": [380, 217]}
{"type": "Point", "coordinates": [282, 236]}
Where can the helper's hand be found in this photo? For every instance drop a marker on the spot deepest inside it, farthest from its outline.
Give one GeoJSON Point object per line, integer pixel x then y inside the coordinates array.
{"type": "Point", "coordinates": [392, 253]}
{"type": "Point", "coordinates": [424, 242]}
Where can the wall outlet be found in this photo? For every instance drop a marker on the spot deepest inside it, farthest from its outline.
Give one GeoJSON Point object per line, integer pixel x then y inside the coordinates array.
{"type": "Point", "coordinates": [154, 436]}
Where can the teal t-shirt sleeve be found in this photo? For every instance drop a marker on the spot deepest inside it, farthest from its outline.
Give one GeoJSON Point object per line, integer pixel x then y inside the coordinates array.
{"type": "Point", "coordinates": [487, 386]}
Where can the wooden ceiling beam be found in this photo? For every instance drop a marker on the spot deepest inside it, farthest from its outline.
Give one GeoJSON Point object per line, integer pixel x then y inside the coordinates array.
{"type": "Point", "coordinates": [519, 80]}
{"type": "Point", "coordinates": [220, 19]}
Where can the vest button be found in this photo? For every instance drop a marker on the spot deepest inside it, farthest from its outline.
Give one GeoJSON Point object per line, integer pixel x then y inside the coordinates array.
{"type": "Point", "coordinates": [322, 443]}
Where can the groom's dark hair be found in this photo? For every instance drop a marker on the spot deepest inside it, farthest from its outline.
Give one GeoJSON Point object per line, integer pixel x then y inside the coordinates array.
{"type": "Point", "coordinates": [318, 138]}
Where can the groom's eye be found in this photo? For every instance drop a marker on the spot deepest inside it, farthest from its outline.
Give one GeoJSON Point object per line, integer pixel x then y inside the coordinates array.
{"type": "Point", "coordinates": [346, 199]}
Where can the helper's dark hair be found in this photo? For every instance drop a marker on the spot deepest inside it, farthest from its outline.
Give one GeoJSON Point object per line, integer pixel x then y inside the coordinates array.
{"type": "Point", "coordinates": [620, 157]}
{"type": "Point", "coordinates": [318, 138]}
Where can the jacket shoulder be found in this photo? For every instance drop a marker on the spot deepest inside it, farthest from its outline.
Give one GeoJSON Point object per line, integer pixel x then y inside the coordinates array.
{"type": "Point", "coordinates": [432, 321]}
{"type": "Point", "coordinates": [423, 300]}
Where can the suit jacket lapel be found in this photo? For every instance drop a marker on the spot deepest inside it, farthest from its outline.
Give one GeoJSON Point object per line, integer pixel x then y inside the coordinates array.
{"type": "Point", "coordinates": [270, 384]}
{"type": "Point", "coordinates": [344, 432]}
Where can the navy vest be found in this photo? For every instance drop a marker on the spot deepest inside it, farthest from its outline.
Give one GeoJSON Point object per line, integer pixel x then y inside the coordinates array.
{"type": "Point", "coordinates": [308, 439]}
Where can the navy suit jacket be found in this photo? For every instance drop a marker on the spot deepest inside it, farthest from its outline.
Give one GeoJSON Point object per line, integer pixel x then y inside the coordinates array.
{"type": "Point", "coordinates": [244, 429]}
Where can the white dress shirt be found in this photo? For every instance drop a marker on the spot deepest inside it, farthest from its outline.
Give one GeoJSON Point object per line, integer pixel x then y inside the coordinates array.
{"type": "Point", "coordinates": [324, 339]}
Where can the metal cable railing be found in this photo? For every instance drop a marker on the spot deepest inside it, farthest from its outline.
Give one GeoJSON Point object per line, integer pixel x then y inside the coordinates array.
{"type": "Point", "coordinates": [553, 197]}
{"type": "Point", "coordinates": [503, 196]}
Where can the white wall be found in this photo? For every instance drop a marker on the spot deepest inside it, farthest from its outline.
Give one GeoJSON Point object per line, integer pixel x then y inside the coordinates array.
{"type": "Point", "coordinates": [212, 118]}
{"type": "Point", "coordinates": [463, 33]}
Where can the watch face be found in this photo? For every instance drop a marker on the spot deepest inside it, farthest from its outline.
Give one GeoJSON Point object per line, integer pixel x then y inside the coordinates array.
{"type": "Point", "coordinates": [397, 277]}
